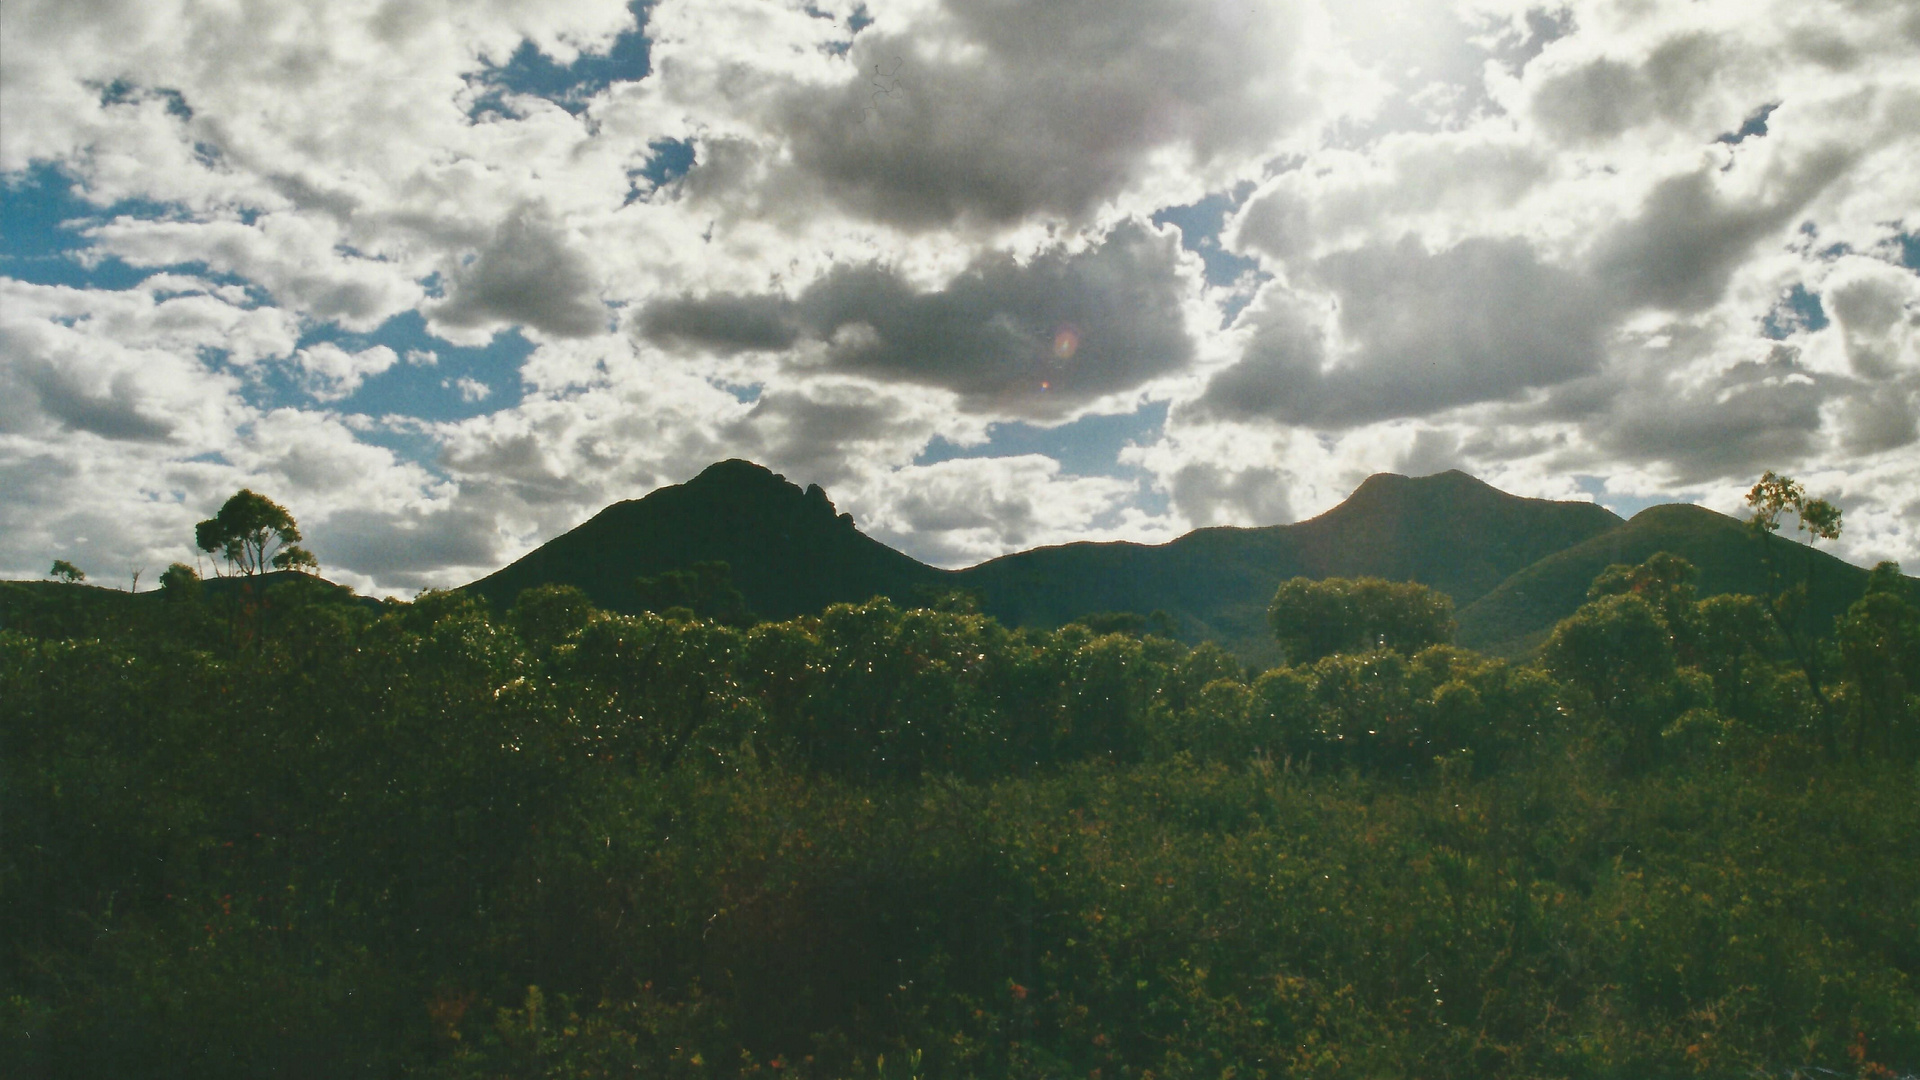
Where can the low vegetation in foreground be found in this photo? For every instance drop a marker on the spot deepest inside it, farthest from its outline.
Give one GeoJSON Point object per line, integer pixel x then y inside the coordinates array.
{"type": "Point", "coordinates": [285, 832]}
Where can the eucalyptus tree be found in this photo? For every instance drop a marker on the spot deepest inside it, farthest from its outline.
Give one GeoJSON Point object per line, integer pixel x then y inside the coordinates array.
{"type": "Point", "coordinates": [254, 534]}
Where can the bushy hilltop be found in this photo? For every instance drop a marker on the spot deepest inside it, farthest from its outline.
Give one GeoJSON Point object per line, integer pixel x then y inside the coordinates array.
{"type": "Point", "coordinates": [1512, 566]}
{"type": "Point", "coordinates": [267, 829]}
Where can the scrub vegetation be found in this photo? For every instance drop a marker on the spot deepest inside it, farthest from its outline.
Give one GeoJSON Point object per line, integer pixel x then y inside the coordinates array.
{"type": "Point", "coordinates": [265, 828]}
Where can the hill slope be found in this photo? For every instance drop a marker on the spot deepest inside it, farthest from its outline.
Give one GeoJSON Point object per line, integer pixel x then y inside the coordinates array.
{"type": "Point", "coordinates": [1450, 531]}
{"type": "Point", "coordinates": [1517, 615]}
{"type": "Point", "coordinates": [790, 552]}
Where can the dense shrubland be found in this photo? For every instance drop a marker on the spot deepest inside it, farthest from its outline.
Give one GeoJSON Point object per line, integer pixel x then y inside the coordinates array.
{"type": "Point", "coordinates": [296, 834]}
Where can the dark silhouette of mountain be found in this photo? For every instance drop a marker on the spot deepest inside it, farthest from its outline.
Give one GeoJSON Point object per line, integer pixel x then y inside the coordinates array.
{"type": "Point", "coordinates": [789, 551]}
{"type": "Point", "coordinates": [791, 554]}
{"type": "Point", "coordinates": [1450, 531]}
{"type": "Point", "coordinates": [1516, 616]}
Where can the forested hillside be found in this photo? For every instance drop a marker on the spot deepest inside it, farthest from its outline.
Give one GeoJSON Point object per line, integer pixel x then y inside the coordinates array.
{"type": "Point", "coordinates": [1449, 531]}
{"type": "Point", "coordinates": [282, 832]}
{"type": "Point", "coordinates": [1730, 558]}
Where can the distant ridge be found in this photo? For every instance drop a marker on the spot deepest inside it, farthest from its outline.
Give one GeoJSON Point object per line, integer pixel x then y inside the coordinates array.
{"type": "Point", "coordinates": [1518, 614]}
{"type": "Point", "coordinates": [1451, 531]}
{"type": "Point", "coordinates": [791, 554]}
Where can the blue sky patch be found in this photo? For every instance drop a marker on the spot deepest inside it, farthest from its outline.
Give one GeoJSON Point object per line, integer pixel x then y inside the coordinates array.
{"type": "Point", "coordinates": [1624, 505]}
{"type": "Point", "coordinates": [41, 217]}
{"type": "Point", "coordinates": [571, 86]}
{"type": "Point", "coordinates": [1906, 250]}
{"type": "Point", "coordinates": [1088, 446]}
{"type": "Point", "coordinates": [427, 391]}
{"type": "Point", "coordinates": [668, 160]}
{"type": "Point", "coordinates": [1200, 224]}
{"type": "Point", "coordinates": [1797, 310]}
{"type": "Point", "coordinates": [1754, 127]}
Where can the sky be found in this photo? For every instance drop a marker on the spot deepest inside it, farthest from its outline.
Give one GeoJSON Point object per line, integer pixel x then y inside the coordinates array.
{"type": "Point", "coordinates": [445, 279]}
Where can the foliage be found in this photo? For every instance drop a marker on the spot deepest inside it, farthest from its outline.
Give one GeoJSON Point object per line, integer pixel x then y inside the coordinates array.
{"type": "Point", "coordinates": [1774, 496]}
{"type": "Point", "coordinates": [67, 572]}
{"type": "Point", "coordinates": [1315, 619]}
{"type": "Point", "coordinates": [253, 534]}
{"type": "Point", "coordinates": [1130, 623]}
{"type": "Point", "coordinates": [705, 590]}
{"type": "Point", "coordinates": [1791, 582]}
{"type": "Point", "coordinates": [295, 557]}
{"type": "Point", "coordinates": [179, 583]}
{"type": "Point", "coordinates": [417, 839]}
{"type": "Point", "coordinates": [1880, 652]}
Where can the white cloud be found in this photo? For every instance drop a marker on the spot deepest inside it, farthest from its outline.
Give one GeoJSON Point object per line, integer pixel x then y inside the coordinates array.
{"type": "Point", "coordinates": [331, 372]}
{"type": "Point", "coordinates": [1487, 236]}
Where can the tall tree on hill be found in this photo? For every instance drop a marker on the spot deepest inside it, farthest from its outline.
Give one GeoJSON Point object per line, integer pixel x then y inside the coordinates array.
{"type": "Point", "coordinates": [254, 534]}
{"type": "Point", "coordinates": [1773, 498]}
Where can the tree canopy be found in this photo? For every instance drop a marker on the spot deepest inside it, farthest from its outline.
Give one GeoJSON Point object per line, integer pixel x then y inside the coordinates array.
{"type": "Point", "coordinates": [254, 534]}
{"type": "Point", "coordinates": [1313, 619]}
{"type": "Point", "coordinates": [705, 590]}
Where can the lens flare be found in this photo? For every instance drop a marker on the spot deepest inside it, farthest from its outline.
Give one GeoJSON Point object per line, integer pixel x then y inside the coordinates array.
{"type": "Point", "coordinates": [1066, 342]}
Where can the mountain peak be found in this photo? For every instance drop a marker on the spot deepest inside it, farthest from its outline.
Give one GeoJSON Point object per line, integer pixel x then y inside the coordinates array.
{"type": "Point", "coordinates": [739, 478]}
{"type": "Point", "coordinates": [1450, 481]}
{"type": "Point", "coordinates": [738, 472]}
{"type": "Point", "coordinates": [789, 551]}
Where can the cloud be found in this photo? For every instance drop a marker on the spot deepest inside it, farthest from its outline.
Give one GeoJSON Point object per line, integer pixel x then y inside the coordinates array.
{"type": "Point", "coordinates": [723, 322]}
{"type": "Point", "coordinates": [1482, 235]}
{"type": "Point", "coordinates": [1036, 339]}
{"type": "Point", "coordinates": [526, 274]}
{"type": "Point", "coordinates": [411, 547]}
{"type": "Point", "coordinates": [1604, 98]}
{"type": "Point", "coordinates": [1687, 240]}
{"type": "Point", "coordinates": [964, 511]}
{"type": "Point", "coordinates": [123, 365]}
{"type": "Point", "coordinates": [1210, 494]}
{"type": "Point", "coordinates": [1442, 186]}
{"type": "Point", "coordinates": [1416, 332]}
{"type": "Point", "coordinates": [974, 113]}
{"type": "Point", "coordinates": [824, 431]}
{"type": "Point", "coordinates": [331, 372]}
{"type": "Point", "coordinates": [295, 259]}
{"type": "Point", "coordinates": [115, 410]}
{"type": "Point", "coordinates": [1878, 308]}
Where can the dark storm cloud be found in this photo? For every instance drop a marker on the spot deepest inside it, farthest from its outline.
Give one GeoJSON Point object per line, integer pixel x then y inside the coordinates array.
{"type": "Point", "coordinates": [1210, 494]}
{"type": "Point", "coordinates": [1686, 241]}
{"type": "Point", "coordinates": [1485, 320]}
{"type": "Point", "coordinates": [414, 541]}
{"type": "Point", "coordinates": [1037, 339]}
{"type": "Point", "coordinates": [1885, 418]}
{"type": "Point", "coordinates": [1606, 97]}
{"type": "Point", "coordinates": [1425, 331]}
{"type": "Point", "coordinates": [33, 389]}
{"type": "Point", "coordinates": [723, 322]}
{"type": "Point", "coordinates": [1753, 412]}
{"type": "Point", "coordinates": [527, 274]}
{"type": "Point", "coordinates": [816, 433]}
{"type": "Point", "coordinates": [998, 111]}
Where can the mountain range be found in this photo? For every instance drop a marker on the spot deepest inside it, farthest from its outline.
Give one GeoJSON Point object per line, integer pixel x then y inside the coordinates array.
{"type": "Point", "coordinates": [1513, 566]}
